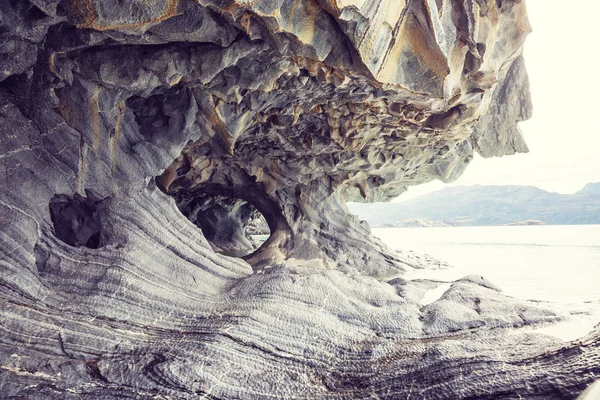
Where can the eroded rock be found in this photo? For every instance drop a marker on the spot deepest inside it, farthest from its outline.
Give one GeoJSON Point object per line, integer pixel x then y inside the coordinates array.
{"type": "Point", "coordinates": [117, 118]}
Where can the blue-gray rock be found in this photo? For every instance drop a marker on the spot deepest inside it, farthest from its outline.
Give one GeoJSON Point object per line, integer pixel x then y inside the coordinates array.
{"type": "Point", "coordinates": [119, 120]}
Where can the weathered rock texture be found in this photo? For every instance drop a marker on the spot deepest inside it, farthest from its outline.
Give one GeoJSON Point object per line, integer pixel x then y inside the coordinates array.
{"type": "Point", "coordinates": [120, 119]}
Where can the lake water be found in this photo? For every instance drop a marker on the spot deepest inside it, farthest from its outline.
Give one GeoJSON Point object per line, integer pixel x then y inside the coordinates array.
{"type": "Point", "coordinates": [550, 262]}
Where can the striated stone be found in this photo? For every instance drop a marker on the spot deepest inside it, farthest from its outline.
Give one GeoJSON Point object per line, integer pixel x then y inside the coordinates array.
{"type": "Point", "coordinates": [497, 132]}
{"type": "Point", "coordinates": [139, 140]}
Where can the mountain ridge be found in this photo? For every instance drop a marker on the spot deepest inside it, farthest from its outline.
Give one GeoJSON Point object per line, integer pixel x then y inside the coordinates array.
{"type": "Point", "coordinates": [481, 205]}
{"type": "Point", "coordinates": [590, 188]}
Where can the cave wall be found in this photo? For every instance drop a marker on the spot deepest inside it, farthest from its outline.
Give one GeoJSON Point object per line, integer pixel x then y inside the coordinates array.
{"type": "Point", "coordinates": [114, 113]}
{"type": "Point", "coordinates": [294, 107]}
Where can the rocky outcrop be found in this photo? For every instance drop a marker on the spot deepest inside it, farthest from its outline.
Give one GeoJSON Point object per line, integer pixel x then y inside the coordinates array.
{"type": "Point", "coordinates": [497, 132]}
{"type": "Point", "coordinates": [137, 141]}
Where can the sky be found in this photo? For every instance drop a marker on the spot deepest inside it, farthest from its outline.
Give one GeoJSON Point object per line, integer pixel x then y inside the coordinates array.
{"type": "Point", "coordinates": [563, 61]}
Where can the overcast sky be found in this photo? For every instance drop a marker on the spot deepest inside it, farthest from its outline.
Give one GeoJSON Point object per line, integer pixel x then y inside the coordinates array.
{"type": "Point", "coordinates": [563, 60]}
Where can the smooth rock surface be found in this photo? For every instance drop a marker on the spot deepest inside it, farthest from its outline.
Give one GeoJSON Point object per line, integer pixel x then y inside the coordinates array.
{"type": "Point", "coordinates": [119, 120]}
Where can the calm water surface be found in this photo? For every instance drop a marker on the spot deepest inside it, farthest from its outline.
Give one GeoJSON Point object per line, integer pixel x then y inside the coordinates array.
{"type": "Point", "coordinates": [553, 263]}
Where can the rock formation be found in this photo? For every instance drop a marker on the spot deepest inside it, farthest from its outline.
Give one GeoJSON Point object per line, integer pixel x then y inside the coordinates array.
{"type": "Point", "coordinates": [139, 138]}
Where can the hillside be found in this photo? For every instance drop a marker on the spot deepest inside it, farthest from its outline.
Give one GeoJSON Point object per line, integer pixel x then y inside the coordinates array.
{"type": "Point", "coordinates": [487, 205]}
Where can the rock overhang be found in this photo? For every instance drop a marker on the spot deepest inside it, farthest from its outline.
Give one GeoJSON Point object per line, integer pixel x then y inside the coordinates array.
{"type": "Point", "coordinates": [291, 106]}
{"type": "Point", "coordinates": [294, 106]}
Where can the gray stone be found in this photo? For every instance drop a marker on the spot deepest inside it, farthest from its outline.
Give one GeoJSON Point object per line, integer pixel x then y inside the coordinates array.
{"type": "Point", "coordinates": [123, 120]}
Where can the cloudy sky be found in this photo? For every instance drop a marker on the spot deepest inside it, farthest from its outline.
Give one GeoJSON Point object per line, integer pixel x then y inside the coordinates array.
{"type": "Point", "coordinates": [563, 61]}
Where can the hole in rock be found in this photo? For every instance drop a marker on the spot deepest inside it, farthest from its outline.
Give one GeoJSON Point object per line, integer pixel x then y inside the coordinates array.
{"type": "Point", "coordinates": [149, 114]}
{"type": "Point", "coordinates": [77, 221]}
{"type": "Point", "coordinates": [233, 226]}
{"type": "Point", "coordinates": [29, 12]}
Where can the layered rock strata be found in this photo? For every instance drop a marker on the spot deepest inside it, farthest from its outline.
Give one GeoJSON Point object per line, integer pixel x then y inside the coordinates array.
{"type": "Point", "coordinates": [139, 139]}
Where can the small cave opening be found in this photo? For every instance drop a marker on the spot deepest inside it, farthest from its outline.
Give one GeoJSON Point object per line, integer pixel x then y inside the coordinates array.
{"type": "Point", "coordinates": [233, 227]}
{"type": "Point", "coordinates": [77, 220]}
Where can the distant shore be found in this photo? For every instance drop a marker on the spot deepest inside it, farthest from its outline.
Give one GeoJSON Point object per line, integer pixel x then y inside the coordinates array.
{"type": "Point", "coordinates": [423, 223]}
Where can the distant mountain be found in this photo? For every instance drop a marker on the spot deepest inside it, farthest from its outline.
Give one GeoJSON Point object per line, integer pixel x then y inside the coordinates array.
{"type": "Point", "coordinates": [591, 189]}
{"type": "Point", "coordinates": [413, 223]}
{"type": "Point", "coordinates": [487, 205]}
